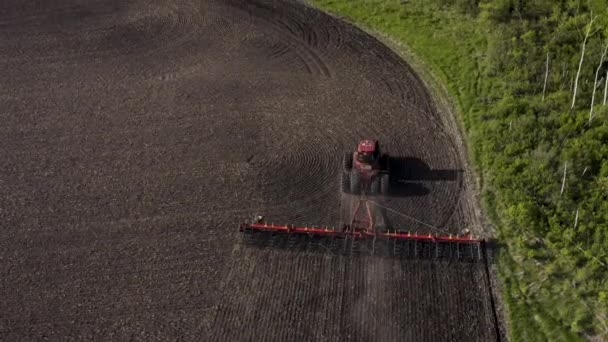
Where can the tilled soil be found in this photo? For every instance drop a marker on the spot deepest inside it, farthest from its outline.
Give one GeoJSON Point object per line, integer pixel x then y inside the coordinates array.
{"type": "Point", "coordinates": [136, 135]}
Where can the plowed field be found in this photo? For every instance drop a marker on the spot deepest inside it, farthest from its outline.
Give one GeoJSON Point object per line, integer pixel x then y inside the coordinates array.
{"type": "Point", "coordinates": [136, 135]}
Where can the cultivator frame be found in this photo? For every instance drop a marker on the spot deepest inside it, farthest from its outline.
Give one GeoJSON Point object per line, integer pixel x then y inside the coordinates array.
{"type": "Point", "coordinates": [362, 236]}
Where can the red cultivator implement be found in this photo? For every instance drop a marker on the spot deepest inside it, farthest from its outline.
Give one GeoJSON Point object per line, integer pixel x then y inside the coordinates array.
{"type": "Point", "coordinates": [365, 171]}
{"type": "Point", "coordinates": [362, 237]}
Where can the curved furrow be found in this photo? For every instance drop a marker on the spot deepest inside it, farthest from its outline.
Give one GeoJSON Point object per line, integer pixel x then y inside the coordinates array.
{"type": "Point", "coordinates": [101, 33]}
{"type": "Point", "coordinates": [293, 33]}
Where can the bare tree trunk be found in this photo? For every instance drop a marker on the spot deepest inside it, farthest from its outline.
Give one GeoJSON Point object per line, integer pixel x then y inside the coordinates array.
{"type": "Point", "coordinates": [576, 219]}
{"type": "Point", "coordinates": [564, 179]}
{"type": "Point", "coordinates": [605, 89]}
{"type": "Point", "coordinates": [546, 75]}
{"type": "Point", "coordinates": [580, 63]}
{"type": "Point", "coordinates": [597, 73]}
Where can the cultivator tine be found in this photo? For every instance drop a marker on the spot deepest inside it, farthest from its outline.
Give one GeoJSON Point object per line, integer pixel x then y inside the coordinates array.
{"type": "Point", "coordinates": [438, 250]}
{"type": "Point", "coordinates": [427, 252]}
{"type": "Point", "coordinates": [383, 247]}
{"type": "Point", "coordinates": [471, 252]}
{"type": "Point", "coordinates": [290, 242]}
{"type": "Point", "coordinates": [411, 249]}
{"type": "Point", "coordinates": [342, 246]}
{"type": "Point", "coordinates": [355, 247]}
{"type": "Point", "coordinates": [428, 249]}
{"type": "Point", "coordinates": [351, 242]}
{"type": "Point", "coordinates": [337, 246]}
{"type": "Point", "coordinates": [373, 249]}
{"type": "Point", "coordinates": [417, 249]}
{"type": "Point", "coordinates": [453, 250]}
{"type": "Point", "coordinates": [402, 249]}
{"type": "Point", "coordinates": [441, 250]}
{"type": "Point", "coordinates": [395, 249]}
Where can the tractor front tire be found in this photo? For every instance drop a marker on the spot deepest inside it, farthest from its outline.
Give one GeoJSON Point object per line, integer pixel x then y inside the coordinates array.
{"type": "Point", "coordinates": [355, 183]}
{"type": "Point", "coordinates": [374, 187]}
{"type": "Point", "coordinates": [347, 162]}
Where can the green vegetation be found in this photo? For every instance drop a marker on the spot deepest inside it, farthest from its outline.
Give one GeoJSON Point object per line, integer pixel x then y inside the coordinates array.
{"type": "Point", "coordinates": [492, 55]}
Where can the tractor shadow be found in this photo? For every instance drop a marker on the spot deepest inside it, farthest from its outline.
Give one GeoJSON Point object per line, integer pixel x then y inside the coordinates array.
{"type": "Point", "coordinates": [408, 174]}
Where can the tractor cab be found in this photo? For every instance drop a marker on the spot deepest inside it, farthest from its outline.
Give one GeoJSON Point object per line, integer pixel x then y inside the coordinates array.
{"type": "Point", "coordinates": [366, 169]}
{"type": "Point", "coordinates": [368, 152]}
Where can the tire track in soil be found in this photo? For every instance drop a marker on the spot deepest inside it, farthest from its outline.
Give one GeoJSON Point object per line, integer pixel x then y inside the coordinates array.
{"type": "Point", "coordinates": [134, 146]}
{"type": "Point", "coordinates": [295, 39]}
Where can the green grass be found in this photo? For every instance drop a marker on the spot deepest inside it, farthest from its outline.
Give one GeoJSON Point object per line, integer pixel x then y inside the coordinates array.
{"type": "Point", "coordinates": [437, 45]}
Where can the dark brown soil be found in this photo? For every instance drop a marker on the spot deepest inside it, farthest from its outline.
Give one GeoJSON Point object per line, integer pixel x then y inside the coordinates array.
{"type": "Point", "coordinates": [136, 135]}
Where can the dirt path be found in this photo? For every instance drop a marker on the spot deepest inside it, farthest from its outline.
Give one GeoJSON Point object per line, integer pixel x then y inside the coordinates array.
{"type": "Point", "coordinates": [136, 135]}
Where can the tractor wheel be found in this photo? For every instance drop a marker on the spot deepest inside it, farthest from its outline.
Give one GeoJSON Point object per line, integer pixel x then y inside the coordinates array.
{"type": "Point", "coordinates": [384, 183]}
{"type": "Point", "coordinates": [374, 188]}
{"type": "Point", "coordinates": [355, 183]}
{"type": "Point", "coordinates": [345, 182]}
{"type": "Point", "coordinates": [347, 162]}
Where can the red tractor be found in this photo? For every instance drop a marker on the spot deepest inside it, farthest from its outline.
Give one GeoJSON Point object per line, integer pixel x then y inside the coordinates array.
{"type": "Point", "coordinates": [366, 171]}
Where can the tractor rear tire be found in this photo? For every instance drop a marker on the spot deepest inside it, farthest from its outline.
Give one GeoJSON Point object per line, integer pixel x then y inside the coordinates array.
{"type": "Point", "coordinates": [355, 183]}
{"type": "Point", "coordinates": [384, 184]}
{"type": "Point", "coordinates": [374, 187]}
{"type": "Point", "coordinates": [347, 162]}
{"type": "Point", "coordinates": [345, 182]}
